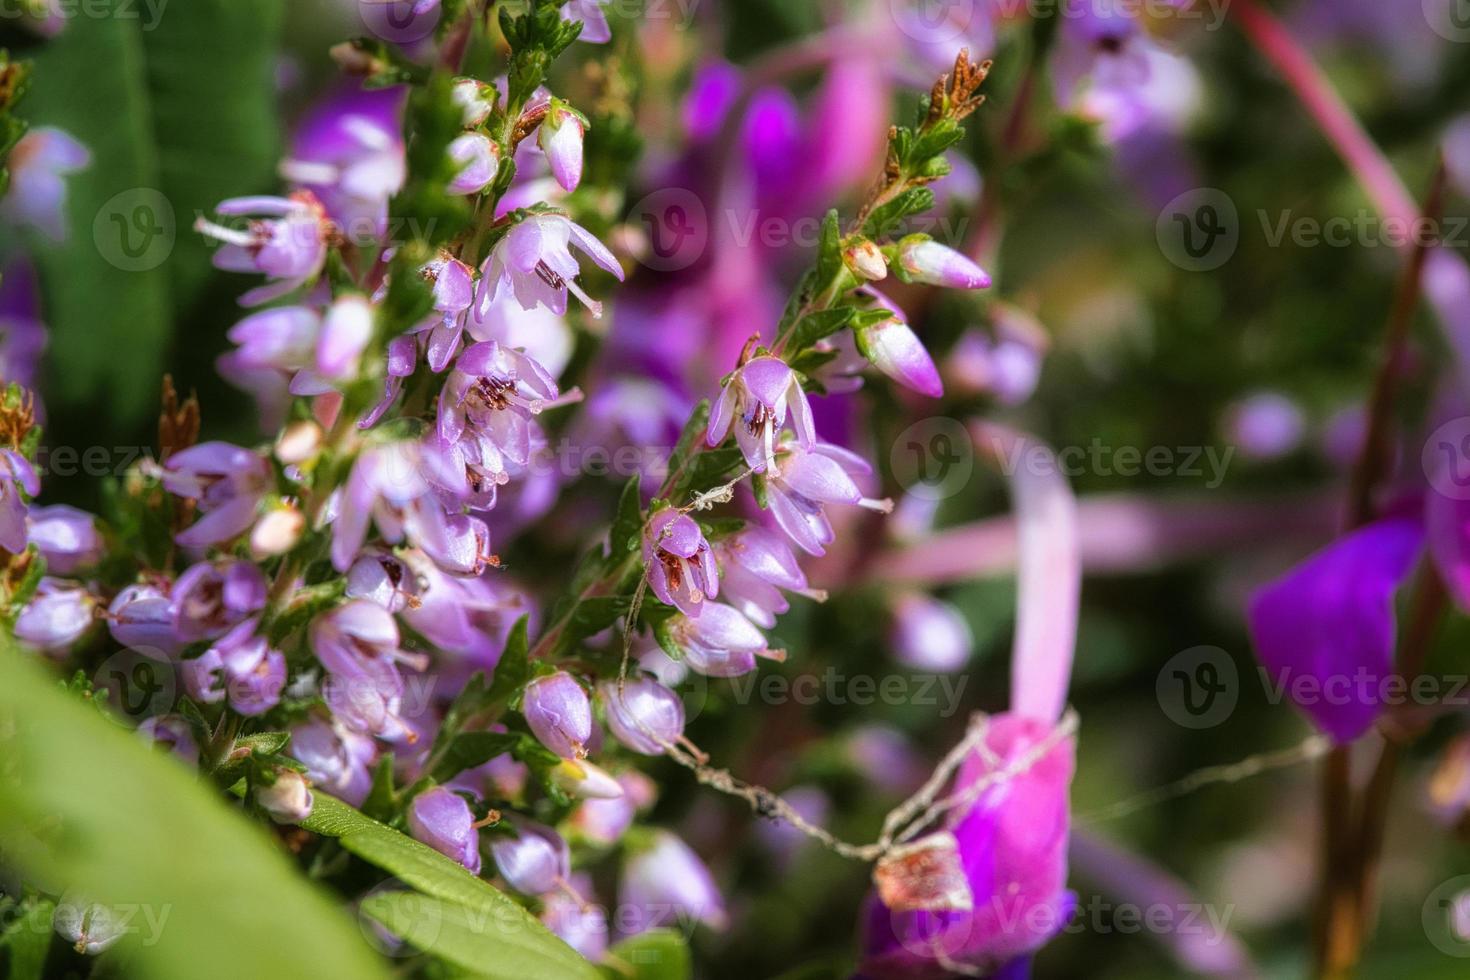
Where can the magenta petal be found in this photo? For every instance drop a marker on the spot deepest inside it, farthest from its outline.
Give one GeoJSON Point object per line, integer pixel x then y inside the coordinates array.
{"type": "Point", "coordinates": [1325, 630]}
{"type": "Point", "coordinates": [768, 379]}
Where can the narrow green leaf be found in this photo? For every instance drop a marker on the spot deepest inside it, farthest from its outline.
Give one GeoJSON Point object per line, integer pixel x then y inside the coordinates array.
{"type": "Point", "coordinates": [627, 529]}
{"type": "Point", "coordinates": [469, 749]}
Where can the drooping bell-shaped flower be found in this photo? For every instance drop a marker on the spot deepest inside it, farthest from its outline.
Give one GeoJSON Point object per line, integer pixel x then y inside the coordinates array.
{"type": "Point", "coordinates": [595, 27]}
{"type": "Point", "coordinates": [240, 666]}
{"type": "Point", "coordinates": [603, 821]}
{"type": "Point", "coordinates": [559, 713]}
{"type": "Point", "coordinates": [389, 486]}
{"type": "Point", "coordinates": [803, 481]}
{"type": "Point", "coordinates": [39, 164]}
{"type": "Point", "coordinates": [336, 759]}
{"type": "Point", "coordinates": [211, 597]}
{"type": "Point", "coordinates": [574, 920]}
{"type": "Point", "coordinates": [18, 480]}
{"type": "Point", "coordinates": [534, 263]}
{"type": "Point", "coordinates": [403, 355]}
{"type": "Point", "coordinates": [288, 799]}
{"type": "Point", "coordinates": [66, 537]}
{"type": "Point", "coordinates": [755, 565]}
{"type": "Point", "coordinates": [534, 860]}
{"type": "Point", "coordinates": [668, 883]}
{"type": "Point", "coordinates": [893, 348]}
{"type": "Point", "coordinates": [492, 394]}
{"type": "Point", "coordinates": [90, 927]}
{"type": "Point", "coordinates": [478, 158]}
{"type": "Point", "coordinates": [929, 634]}
{"type": "Point", "coordinates": [442, 819]}
{"type": "Point", "coordinates": [757, 399]}
{"type": "Point", "coordinates": [1325, 630]}
{"type": "Point", "coordinates": [58, 615]}
{"type": "Point", "coordinates": [227, 484]}
{"type": "Point", "coordinates": [171, 733]}
{"type": "Point", "coordinates": [454, 292]}
{"type": "Point", "coordinates": [560, 137]}
{"type": "Point", "coordinates": [642, 714]}
{"type": "Point", "coordinates": [141, 618]}
{"type": "Point", "coordinates": [287, 243]}
{"type": "Point", "coordinates": [358, 645]}
{"type": "Point", "coordinates": [926, 261]}
{"type": "Point", "coordinates": [681, 565]}
{"type": "Point", "coordinates": [720, 643]}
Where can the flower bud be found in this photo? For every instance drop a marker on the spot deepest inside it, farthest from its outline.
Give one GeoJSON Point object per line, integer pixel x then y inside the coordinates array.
{"type": "Point", "coordinates": [346, 330]}
{"type": "Point", "coordinates": [442, 819]}
{"type": "Point", "coordinates": [644, 716]}
{"type": "Point", "coordinates": [534, 861]}
{"type": "Point", "coordinates": [864, 260]}
{"type": "Point", "coordinates": [925, 260]}
{"type": "Point", "coordinates": [58, 615]}
{"type": "Point", "coordinates": [478, 159]}
{"type": "Point", "coordinates": [560, 138]}
{"type": "Point", "coordinates": [89, 926]}
{"type": "Point", "coordinates": [476, 99]}
{"type": "Point", "coordinates": [929, 634]}
{"type": "Point", "coordinates": [141, 618]}
{"type": "Point", "coordinates": [668, 883]}
{"type": "Point", "coordinates": [584, 780]}
{"type": "Point", "coordinates": [896, 350]}
{"type": "Point", "coordinates": [559, 713]}
{"type": "Point", "coordinates": [66, 537]}
{"type": "Point", "coordinates": [288, 799]}
{"type": "Point", "coordinates": [276, 533]}
{"type": "Point", "coordinates": [298, 442]}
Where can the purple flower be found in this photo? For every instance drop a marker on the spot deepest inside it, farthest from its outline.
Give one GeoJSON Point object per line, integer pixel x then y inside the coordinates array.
{"type": "Point", "coordinates": [580, 779]}
{"type": "Point", "coordinates": [58, 615]}
{"type": "Point", "coordinates": [1005, 367]}
{"type": "Point", "coordinates": [803, 481]}
{"type": "Point", "coordinates": [172, 733]}
{"type": "Point", "coordinates": [491, 396]}
{"type": "Point", "coordinates": [358, 645]}
{"type": "Point", "coordinates": [886, 758]}
{"type": "Point", "coordinates": [560, 138]}
{"type": "Point", "coordinates": [756, 399]}
{"type": "Point", "coordinates": [389, 486]}
{"type": "Point", "coordinates": [603, 821]}
{"type": "Point", "coordinates": [403, 353]}
{"type": "Point", "coordinates": [665, 884]}
{"type": "Point", "coordinates": [929, 634]}
{"type": "Point", "coordinates": [580, 925]}
{"type": "Point", "coordinates": [559, 714]}
{"type": "Point", "coordinates": [211, 597]}
{"type": "Point", "coordinates": [756, 565]}
{"type": "Point", "coordinates": [454, 291]}
{"type": "Point", "coordinates": [896, 350]}
{"type": "Point", "coordinates": [1265, 425]}
{"type": "Point", "coordinates": [346, 330]}
{"type": "Point", "coordinates": [476, 99]}
{"type": "Point", "coordinates": [534, 262]}
{"type": "Point", "coordinates": [720, 643]}
{"type": "Point", "coordinates": [67, 537]}
{"type": "Point", "coordinates": [645, 716]}
{"type": "Point", "coordinates": [595, 27]}
{"type": "Point", "coordinates": [22, 334]}
{"type": "Point", "coordinates": [1331, 620]}
{"type": "Point", "coordinates": [338, 760]}
{"type": "Point", "coordinates": [288, 799]}
{"type": "Point", "coordinates": [18, 480]}
{"type": "Point", "coordinates": [534, 861]}
{"type": "Point", "coordinates": [141, 618]}
{"type": "Point", "coordinates": [1013, 849]}
{"type": "Point", "coordinates": [478, 158]}
{"type": "Point", "coordinates": [442, 819]}
{"type": "Point", "coordinates": [348, 152]}
{"type": "Point", "coordinates": [226, 482]}
{"type": "Point", "coordinates": [681, 565]}
{"type": "Point", "coordinates": [924, 260]}
{"type": "Point", "coordinates": [288, 244]}
{"type": "Point", "coordinates": [37, 195]}
{"type": "Point", "coordinates": [240, 666]}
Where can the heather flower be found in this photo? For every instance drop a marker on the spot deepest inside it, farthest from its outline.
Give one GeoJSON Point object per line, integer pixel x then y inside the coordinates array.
{"type": "Point", "coordinates": [643, 715]}
{"type": "Point", "coordinates": [926, 261]}
{"type": "Point", "coordinates": [929, 634]}
{"type": "Point", "coordinates": [442, 819]}
{"type": "Point", "coordinates": [533, 861]}
{"type": "Point", "coordinates": [896, 350]}
{"type": "Point", "coordinates": [141, 618]}
{"type": "Point", "coordinates": [348, 152]}
{"type": "Point", "coordinates": [277, 532]}
{"type": "Point", "coordinates": [336, 759]}
{"type": "Point", "coordinates": [803, 481]}
{"type": "Point", "coordinates": [66, 537]}
{"type": "Point", "coordinates": [358, 645]}
{"type": "Point", "coordinates": [668, 883]}
{"type": "Point", "coordinates": [478, 158]}
{"type": "Point", "coordinates": [1265, 425]}
{"type": "Point", "coordinates": [720, 643]}
{"type": "Point", "coordinates": [89, 927]}
{"type": "Point", "coordinates": [476, 99]}
{"type": "Point", "coordinates": [755, 565]}
{"type": "Point", "coordinates": [540, 334]}
{"type": "Point", "coordinates": [1331, 618]}
{"type": "Point", "coordinates": [22, 334]}
{"type": "Point", "coordinates": [560, 138]}
{"type": "Point", "coordinates": [757, 398]}
{"type": "Point", "coordinates": [38, 165]}
{"type": "Point", "coordinates": [572, 919]}
{"type": "Point", "coordinates": [346, 330]}
{"type": "Point", "coordinates": [389, 487]}
{"type": "Point", "coordinates": [595, 27]}
{"type": "Point", "coordinates": [227, 484]}
{"type": "Point", "coordinates": [58, 615]}
{"type": "Point", "coordinates": [172, 733]}
{"type": "Point", "coordinates": [454, 291]}
{"type": "Point", "coordinates": [681, 564]}
{"type": "Point", "coordinates": [18, 480]}
{"type": "Point", "coordinates": [559, 713]}
{"type": "Point", "coordinates": [288, 799]}
{"type": "Point", "coordinates": [781, 837]}
{"type": "Point", "coordinates": [240, 666]}
{"type": "Point", "coordinates": [580, 779]}
{"type": "Point", "coordinates": [211, 597]}
{"type": "Point", "coordinates": [603, 821]}
{"type": "Point", "coordinates": [402, 358]}
{"type": "Point", "coordinates": [1005, 366]}
{"type": "Point", "coordinates": [288, 244]}
{"type": "Point", "coordinates": [534, 262]}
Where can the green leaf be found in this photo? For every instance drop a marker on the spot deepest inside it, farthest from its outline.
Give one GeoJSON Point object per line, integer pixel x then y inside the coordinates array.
{"type": "Point", "coordinates": [507, 940]}
{"type": "Point", "coordinates": [188, 118]}
{"type": "Point", "coordinates": [829, 249]}
{"type": "Point", "coordinates": [659, 954]}
{"type": "Point", "coordinates": [823, 323]}
{"type": "Point", "coordinates": [513, 669]}
{"type": "Point", "coordinates": [86, 805]}
{"type": "Point", "coordinates": [627, 528]}
{"type": "Point", "coordinates": [887, 220]}
{"type": "Point", "coordinates": [469, 749]}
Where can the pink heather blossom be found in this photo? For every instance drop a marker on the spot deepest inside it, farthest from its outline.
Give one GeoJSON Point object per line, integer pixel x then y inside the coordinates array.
{"type": "Point", "coordinates": [287, 243]}
{"type": "Point", "coordinates": [534, 263]}
{"type": "Point", "coordinates": [757, 400]}
{"type": "Point", "coordinates": [681, 566]}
